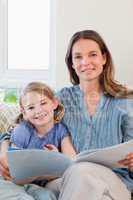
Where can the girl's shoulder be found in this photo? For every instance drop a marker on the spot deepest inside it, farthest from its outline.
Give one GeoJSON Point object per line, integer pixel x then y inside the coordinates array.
{"type": "Point", "coordinates": [22, 127]}
{"type": "Point", "coordinates": [61, 125]}
{"type": "Point", "coordinates": [61, 130]}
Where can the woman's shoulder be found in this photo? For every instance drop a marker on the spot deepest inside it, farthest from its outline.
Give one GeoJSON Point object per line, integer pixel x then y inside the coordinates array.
{"type": "Point", "coordinates": [69, 89]}
{"type": "Point", "coordinates": [123, 101]}
{"type": "Point", "coordinates": [125, 104]}
{"type": "Point", "coordinates": [67, 92]}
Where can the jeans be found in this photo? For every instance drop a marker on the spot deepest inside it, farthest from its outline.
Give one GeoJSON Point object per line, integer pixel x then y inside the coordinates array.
{"type": "Point", "coordinates": [11, 191]}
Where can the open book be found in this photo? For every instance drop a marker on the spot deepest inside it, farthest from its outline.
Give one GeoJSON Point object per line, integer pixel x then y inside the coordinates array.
{"type": "Point", "coordinates": [29, 163]}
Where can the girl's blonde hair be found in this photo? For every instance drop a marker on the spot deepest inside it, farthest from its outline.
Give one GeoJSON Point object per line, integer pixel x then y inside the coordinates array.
{"type": "Point", "coordinates": [41, 88]}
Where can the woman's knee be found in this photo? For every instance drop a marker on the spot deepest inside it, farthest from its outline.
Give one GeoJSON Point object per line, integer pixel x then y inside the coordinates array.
{"type": "Point", "coordinates": [82, 168]}
{"type": "Point", "coordinates": [78, 173]}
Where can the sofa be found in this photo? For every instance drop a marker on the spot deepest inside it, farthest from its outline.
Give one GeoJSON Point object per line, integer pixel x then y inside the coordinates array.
{"type": "Point", "coordinates": [8, 113]}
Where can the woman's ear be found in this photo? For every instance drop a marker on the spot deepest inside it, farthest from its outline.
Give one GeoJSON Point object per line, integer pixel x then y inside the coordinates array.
{"type": "Point", "coordinates": [73, 66]}
{"type": "Point", "coordinates": [104, 58]}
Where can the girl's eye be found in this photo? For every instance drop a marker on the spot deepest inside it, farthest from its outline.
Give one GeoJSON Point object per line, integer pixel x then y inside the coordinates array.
{"type": "Point", "coordinates": [31, 108]}
{"type": "Point", "coordinates": [43, 103]}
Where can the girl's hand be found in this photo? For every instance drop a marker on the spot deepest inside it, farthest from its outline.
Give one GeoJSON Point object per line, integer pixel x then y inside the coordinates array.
{"type": "Point", "coordinates": [4, 170]}
{"type": "Point", "coordinates": [51, 147]}
{"type": "Point", "coordinates": [128, 161]}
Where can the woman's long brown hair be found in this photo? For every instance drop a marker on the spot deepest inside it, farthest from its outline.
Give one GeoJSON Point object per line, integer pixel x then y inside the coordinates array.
{"type": "Point", "coordinates": [109, 85]}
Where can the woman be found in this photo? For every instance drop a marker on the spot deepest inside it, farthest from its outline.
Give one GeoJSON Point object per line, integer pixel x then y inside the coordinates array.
{"type": "Point", "coordinates": [98, 113]}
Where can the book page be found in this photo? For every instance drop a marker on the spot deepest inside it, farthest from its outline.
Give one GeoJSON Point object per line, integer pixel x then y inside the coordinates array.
{"type": "Point", "coordinates": [107, 156]}
{"type": "Point", "coordinates": [28, 163]}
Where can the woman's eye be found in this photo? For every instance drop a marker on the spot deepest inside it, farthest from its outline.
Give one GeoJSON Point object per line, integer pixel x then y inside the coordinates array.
{"type": "Point", "coordinates": [94, 54]}
{"type": "Point", "coordinates": [77, 57]}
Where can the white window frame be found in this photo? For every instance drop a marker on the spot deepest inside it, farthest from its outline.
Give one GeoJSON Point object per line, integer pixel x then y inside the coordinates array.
{"type": "Point", "coordinates": [17, 78]}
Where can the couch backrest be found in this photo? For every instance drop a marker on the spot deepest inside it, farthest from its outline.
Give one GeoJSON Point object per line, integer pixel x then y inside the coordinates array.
{"type": "Point", "coordinates": [8, 114]}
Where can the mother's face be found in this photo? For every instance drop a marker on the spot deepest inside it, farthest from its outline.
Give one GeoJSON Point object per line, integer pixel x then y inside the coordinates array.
{"type": "Point", "coordinates": [88, 60]}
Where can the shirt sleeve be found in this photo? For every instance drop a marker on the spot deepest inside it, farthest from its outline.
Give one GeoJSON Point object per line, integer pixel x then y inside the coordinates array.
{"type": "Point", "coordinates": [127, 124]}
{"type": "Point", "coordinates": [62, 95]}
{"type": "Point", "coordinates": [127, 127]}
{"type": "Point", "coordinates": [61, 133]}
{"type": "Point", "coordinates": [64, 131]}
{"type": "Point", "coordinates": [4, 136]}
{"type": "Point", "coordinates": [19, 135]}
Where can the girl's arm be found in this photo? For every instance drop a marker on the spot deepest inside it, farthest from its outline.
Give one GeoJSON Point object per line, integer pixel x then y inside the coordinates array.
{"type": "Point", "coordinates": [13, 145]}
{"type": "Point", "coordinates": [67, 147]}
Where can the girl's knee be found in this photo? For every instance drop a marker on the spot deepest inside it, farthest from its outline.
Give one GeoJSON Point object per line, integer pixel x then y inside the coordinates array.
{"type": "Point", "coordinates": [40, 193]}
{"type": "Point", "coordinates": [50, 195]}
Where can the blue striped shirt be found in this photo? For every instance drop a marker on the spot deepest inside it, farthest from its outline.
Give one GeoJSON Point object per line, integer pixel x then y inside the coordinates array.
{"type": "Point", "coordinates": [111, 124]}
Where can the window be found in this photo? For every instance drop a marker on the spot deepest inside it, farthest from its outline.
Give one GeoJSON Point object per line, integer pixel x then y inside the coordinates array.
{"type": "Point", "coordinates": [27, 34]}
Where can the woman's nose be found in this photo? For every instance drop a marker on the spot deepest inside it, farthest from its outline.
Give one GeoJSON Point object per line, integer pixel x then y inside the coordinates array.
{"type": "Point", "coordinates": [85, 61]}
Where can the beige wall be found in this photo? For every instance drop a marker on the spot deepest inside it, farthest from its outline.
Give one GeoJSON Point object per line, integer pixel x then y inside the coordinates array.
{"type": "Point", "coordinates": [112, 19]}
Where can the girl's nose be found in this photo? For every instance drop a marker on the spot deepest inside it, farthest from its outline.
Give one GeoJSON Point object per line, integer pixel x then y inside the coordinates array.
{"type": "Point", "coordinates": [38, 109]}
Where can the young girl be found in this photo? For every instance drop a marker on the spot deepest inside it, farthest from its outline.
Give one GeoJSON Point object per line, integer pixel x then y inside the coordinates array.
{"type": "Point", "coordinates": [39, 122]}
{"type": "Point", "coordinates": [38, 125]}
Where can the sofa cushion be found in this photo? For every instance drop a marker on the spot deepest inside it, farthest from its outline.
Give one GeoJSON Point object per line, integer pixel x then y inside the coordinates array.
{"type": "Point", "coordinates": [8, 113]}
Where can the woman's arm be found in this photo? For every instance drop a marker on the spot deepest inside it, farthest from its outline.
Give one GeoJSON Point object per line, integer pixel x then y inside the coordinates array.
{"type": "Point", "coordinates": [67, 147]}
{"type": "Point", "coordinates": [4, 146]}
{"type": "Point", "coordinates": [127, 127]}
{"type": "Point", "coordinates": [128, 161]}
{"type": "Point", "coordinates": [3, 160]}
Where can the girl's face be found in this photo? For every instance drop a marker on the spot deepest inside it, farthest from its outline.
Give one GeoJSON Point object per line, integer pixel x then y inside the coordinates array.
{"type": "Point", "coordinates": [88, 60]}
{"type": "Point", "coordinates": [38, 109]}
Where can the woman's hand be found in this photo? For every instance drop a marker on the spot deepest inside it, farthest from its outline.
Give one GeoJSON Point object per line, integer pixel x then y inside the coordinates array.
{"type": "Point", "coordinates": [128, 161]}
{"type": "Point", "coordinates": [4, 170]}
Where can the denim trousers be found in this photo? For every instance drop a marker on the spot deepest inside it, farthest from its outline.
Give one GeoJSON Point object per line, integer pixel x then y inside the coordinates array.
{"type": "Point", "coordinates": [11, 191]}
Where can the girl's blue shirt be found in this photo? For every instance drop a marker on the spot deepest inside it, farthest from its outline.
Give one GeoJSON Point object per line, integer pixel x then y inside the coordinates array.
{"type": "Point", "coordinates": [25, 136]}
{"type": "Point", "coordinates": [111, 124]}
